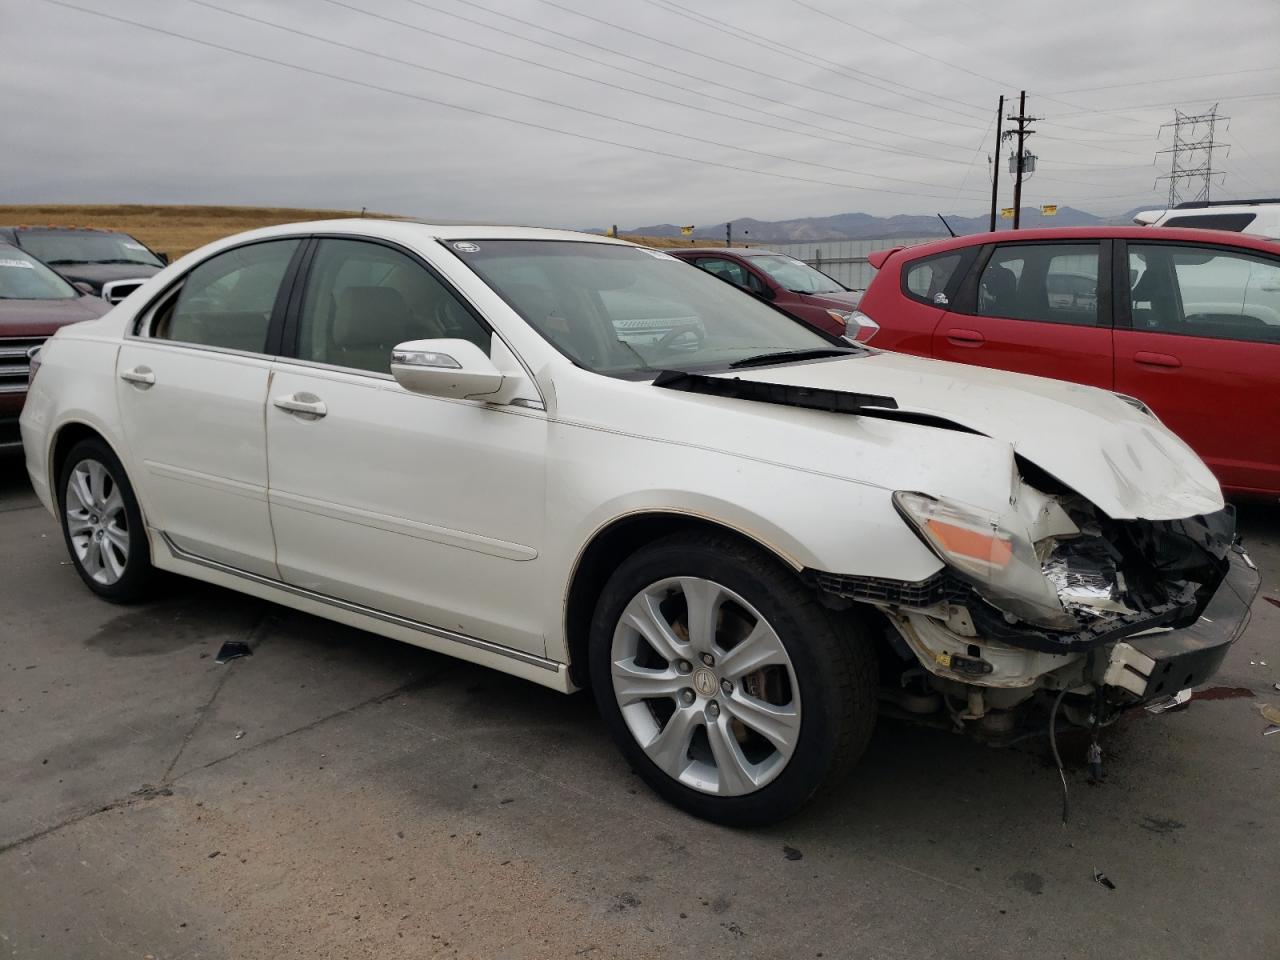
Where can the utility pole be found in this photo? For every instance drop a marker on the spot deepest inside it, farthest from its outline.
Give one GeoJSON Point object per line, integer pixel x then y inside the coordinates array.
{"type": "Point", "coordinates": [1023, 131]}
{"type": "Point", "coordinates": [728, 234]}
{"type": "Point", "coordinates": [1192, 153]}
{"type": "Point", "coordinates": [995, 168]}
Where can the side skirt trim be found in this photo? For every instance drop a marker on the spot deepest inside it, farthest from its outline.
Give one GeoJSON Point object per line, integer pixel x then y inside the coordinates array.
{"type": "Point", "coordinates": [489, 647]}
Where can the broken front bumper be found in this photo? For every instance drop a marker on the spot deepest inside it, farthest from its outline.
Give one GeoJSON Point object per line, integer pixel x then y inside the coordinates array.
{"type": "Point", "coordinates": [1159, 664]}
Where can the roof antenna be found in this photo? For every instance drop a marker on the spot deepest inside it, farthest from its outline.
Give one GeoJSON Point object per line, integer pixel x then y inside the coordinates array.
{"type": "Point", "coordinates": [947, 225]}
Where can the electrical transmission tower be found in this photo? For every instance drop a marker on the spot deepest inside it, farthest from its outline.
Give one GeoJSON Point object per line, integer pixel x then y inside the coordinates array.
{"type": "Point", "coordinates": [1192, 154]}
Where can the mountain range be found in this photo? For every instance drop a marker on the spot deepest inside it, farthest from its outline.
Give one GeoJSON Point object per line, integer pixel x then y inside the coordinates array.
{"type": "Point", "coordinates": [861, 226]}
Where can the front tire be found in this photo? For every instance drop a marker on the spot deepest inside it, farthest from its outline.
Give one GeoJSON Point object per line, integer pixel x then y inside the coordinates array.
{"type": "Point", "coordinates": [102, 523]}
{"type": "Point", "coordinates": [728, 687]}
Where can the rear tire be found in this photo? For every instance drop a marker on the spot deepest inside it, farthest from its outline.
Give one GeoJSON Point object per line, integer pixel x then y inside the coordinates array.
{"type": "Point", "coordinates": [728, 687]}
{"type": "Point", "coordinates": [102, 524]}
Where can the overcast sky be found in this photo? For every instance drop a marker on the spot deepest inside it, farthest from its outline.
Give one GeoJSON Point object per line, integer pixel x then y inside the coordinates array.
{"type": "Point", "coordinates": [762, 108]}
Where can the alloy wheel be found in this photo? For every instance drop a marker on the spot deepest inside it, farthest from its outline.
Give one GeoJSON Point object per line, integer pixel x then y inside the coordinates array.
{"type": "Point", "coordinates": [705, 686]}
{"type": "Point", "coordinates": [97, 524]}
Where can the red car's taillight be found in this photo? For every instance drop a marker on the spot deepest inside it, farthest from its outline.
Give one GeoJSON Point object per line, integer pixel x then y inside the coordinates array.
{"type": "Point", "coordinates": [857, 325]}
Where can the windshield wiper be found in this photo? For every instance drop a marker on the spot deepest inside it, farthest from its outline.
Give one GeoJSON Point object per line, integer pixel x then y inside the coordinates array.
{"type": "Point", "coordinates": [139, 263]}
{"type": "Point", "coordinates": [787, 356]}
{"type": "Point", "coordinates": [59, 263]}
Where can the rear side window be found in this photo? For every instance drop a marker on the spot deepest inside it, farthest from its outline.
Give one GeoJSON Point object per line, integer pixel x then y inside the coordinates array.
{"type": "Point", "coordinates": [927, 280]}
{"type": "Point", "coordinates": [1052, 283]}
{"type": "Point", "coordinates": [1235, 222]}
{"type": "Point", "coordinates": [1204, 292]}
{"type": "Point", "coordinates": [732, 271]}
{"type": "Point", "coordinates": [363, 299]}
{"type": "Point", "coordinates": [227, 301]}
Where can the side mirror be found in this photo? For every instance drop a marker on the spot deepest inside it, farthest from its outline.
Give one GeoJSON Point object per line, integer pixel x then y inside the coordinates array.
{"type": "Point", "coordinates": [765, 293]}
{"type": "Point", "coordinates": [445, 368]}
{"type": "Point", "coordinates": [162, 257]}
{"type": "Point", "coordinates": [84, 288]}
{"type": "Point", "coordinates": [116, 290]}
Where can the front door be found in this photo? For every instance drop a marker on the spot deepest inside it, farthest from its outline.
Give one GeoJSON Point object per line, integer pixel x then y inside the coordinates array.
{"type": "Point", "coordinates": [421, 507]}
{"type": "Point", "coordinates": [192, 388]}
{"type": "Point", "coordinates": [1036, 308]}
{"type": "Point", "coordinates": [1200, 344]}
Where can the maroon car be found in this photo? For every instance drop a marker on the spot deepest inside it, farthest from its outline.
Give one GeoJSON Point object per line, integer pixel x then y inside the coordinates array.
{"type": "Point", "coordinates": [34, 302]}
{"type": "Point", "coordinates": [789, 284]}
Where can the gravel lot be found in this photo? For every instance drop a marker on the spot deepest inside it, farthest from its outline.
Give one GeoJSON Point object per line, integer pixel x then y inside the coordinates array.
{"type": "Point", "coordinates": [340, 795]}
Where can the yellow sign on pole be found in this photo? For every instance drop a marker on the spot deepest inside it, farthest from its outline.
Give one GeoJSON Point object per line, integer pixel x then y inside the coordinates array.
{"type": "Point", "coordinates": [1049, 210]}
{"type": "Point", "coordinates": [1006, 213]}
{"type": "Point", "coordinates": [686, 231]}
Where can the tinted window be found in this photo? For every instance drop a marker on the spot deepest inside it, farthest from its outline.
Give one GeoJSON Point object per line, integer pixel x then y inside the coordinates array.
{"type": "Point", "coordinates": [23, 277]}
{"type": "Point", "coordinates": [1057, 283]}
{"type": "Point", "coordinates": [730, 270]}
{"type": "Point", "coordinates": [227, 300]}
{"type": "Point", "coordinates": [73, 246]}
{"type": "Point", "coordinates": [927, 279]}
{"type": "Point", "coordinates": [1213, 221]}
{"type": "Point", "coordinates": [1205, 292]}
{"type": "Point", "coordinates": [626, 311]}
{"type": "Point", "coordinates": [363, 299]}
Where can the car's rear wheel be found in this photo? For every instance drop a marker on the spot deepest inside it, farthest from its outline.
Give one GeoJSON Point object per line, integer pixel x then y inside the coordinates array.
{"type": "Point", "coordinates": [731, 690]}
{"type": "Point", "coordinates": [102, 523]}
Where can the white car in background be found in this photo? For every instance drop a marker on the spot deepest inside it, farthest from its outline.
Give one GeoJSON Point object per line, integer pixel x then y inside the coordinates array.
{"type": "Point", "coordinates": [746, 536]}
{"type": "Point", "coordinates": [1261, 217]}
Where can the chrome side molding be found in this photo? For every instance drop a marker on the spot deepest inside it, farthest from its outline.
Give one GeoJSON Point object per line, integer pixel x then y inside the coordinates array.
{"type": "Point", "coordinates": [488, 646]}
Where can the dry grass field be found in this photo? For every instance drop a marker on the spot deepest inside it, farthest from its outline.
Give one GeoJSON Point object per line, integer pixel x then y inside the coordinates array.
{"type": "Point", "coordinates": [177, 229]}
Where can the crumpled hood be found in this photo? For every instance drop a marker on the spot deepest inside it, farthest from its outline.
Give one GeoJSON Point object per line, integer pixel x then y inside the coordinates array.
{"type": "Point", "coordinates": [1128, 464]}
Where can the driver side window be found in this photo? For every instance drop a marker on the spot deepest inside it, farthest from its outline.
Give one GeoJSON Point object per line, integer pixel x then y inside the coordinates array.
{"type": "Point", "coordinates": [732, 271]}
{"type": "Point", "coordinates": [362, 299]}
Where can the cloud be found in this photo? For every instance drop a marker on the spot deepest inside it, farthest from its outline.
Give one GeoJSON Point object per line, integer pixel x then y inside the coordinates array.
{"type": "Point", "coordinates": [761, 108]}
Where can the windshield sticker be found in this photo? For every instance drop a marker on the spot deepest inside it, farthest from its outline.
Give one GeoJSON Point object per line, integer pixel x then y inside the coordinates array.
{"type": "Point", "coordinates": [466, 246]}
{"type": "Point", "coordinates": [27, 264]}
{"type": "Point", "coordinates": [658, 254]}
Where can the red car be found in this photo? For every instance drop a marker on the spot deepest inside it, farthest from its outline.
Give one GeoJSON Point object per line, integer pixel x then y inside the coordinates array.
{"type": "Point", "coordinates": [789, 284]}
{"type": "Point", "coordinates": [1187, 321]}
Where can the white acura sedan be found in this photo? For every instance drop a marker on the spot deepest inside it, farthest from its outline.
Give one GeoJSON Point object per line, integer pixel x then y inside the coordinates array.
{"type": "Point", "coordinates": [591, 465]}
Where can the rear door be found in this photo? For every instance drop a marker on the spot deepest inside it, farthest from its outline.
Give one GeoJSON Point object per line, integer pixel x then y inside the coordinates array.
{"type": "Point", "coordinates": [1040, 308]}
{"type": "Point", "coordinates": [909, 313]}
{"type": "Point", "coordinates": [192, 388]}
{"type": "Point", "coordinates": [1198, 340]}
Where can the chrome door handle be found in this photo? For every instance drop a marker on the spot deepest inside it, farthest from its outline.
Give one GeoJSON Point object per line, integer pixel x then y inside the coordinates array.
{"type": "Point", "coordinates": [306, 405]}
{"type": "Point", "coordinates": [139, 377]}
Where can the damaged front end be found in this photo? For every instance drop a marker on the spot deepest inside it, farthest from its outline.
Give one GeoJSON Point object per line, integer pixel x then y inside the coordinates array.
{"type": "Point", "coordinates": [1054, 597]}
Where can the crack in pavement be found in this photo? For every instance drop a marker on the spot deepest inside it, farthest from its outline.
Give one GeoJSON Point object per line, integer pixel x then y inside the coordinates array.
{"type": "Point", "coordinates": [151, 792]}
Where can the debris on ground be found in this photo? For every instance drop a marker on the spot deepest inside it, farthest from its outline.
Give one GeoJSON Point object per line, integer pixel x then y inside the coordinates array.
{"type": "Point", "coordinates": [239, 734]}
{"type": "Point", "coordinates": [1179, 699]}
{"type": "Point", "coordinates": [1100, 877]}
{"type": "Point", "coordinates": [1270, 713]}
{"type": "Point", "coordinates": [791, 853]}
{"type": "Point", "coordinates": [232, 650]}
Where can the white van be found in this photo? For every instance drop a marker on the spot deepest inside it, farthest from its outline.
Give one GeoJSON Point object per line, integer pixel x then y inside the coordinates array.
{"type": "Point", "coordinates": [1260, 217]}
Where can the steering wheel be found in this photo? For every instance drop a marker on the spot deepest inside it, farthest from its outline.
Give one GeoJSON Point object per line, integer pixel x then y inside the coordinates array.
{"type": "Point", "coordinates": [668, 341]}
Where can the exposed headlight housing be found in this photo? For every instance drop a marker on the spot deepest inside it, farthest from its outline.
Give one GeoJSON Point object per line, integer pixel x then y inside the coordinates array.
{"type": "Point", "coordinates": [857, 325]}
{"type": "Point", "coordinates": [994, 553]}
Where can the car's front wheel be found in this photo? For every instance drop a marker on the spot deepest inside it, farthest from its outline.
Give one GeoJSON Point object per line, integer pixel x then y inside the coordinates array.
{"type": "Point", "coordinates": [731, 690]}
{"type": "Point", "coordinates": [102, 523]}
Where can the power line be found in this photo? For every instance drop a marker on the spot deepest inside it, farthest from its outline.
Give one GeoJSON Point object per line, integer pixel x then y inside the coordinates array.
{"type": "Point", "coordinates": [262, 58]}
{"type": "Point", "coordinates": [1267, 95]}
{"type": "Point", "coordinates": [545, 100]}
{"type": "Point", "coordinates": [1143, 83]}
{"type": "Point", "coordinates": [834, 66]}
{"type": "Point", "coordinates": [839, 138]}
{"type": "Point", "coordinates": [740, 67]}
{"type": "Point", "coordinates": [666, 68]}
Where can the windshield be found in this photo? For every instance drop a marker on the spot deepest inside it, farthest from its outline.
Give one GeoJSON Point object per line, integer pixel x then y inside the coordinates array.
{"type": "Point", "coordinates": [796, 276]}
{"type": "Point", "coordinates": [85, 247]}
{"type": "Point", "coordinates": [23, 277]}
{"type": "Point", "coordinates": [631, 312]}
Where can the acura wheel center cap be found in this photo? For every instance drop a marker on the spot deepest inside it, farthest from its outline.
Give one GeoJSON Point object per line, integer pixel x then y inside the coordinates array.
{"type": "Point", "coordinates": [705, 682]}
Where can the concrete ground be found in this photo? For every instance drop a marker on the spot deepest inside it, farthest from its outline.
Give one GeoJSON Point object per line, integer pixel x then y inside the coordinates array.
{"type": "Point", "coordinates": [339, 795]}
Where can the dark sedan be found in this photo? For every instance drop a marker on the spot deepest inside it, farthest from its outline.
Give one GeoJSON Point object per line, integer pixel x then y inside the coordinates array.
{"type": "Point", "coordinates": [34, 303]}
{"type": "Point", "coordinates": [89, 257]}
